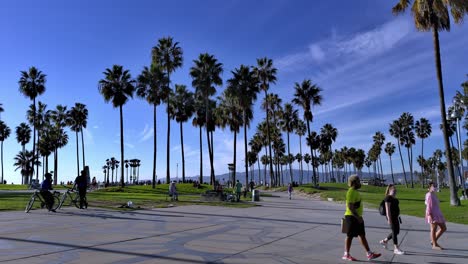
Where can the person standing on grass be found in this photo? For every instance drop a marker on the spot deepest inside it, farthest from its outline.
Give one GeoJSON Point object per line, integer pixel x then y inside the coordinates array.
{"type": "Point", "coordinates": [434, 216]}
{"type": "Point", "coordinates": [290, 190]}
{"type": "Point", "coordinates": [392, 209]}
{"type": "Point", "coordinates": [238, 190]}
{"type": "Point", "coordinates": [354, 221]}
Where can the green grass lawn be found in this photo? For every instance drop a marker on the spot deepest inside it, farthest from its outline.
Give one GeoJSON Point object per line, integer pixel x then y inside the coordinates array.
{"type": "Point", "coordinates": [144, 197]}
{"type": "Point", "coordinates": [411, 200]}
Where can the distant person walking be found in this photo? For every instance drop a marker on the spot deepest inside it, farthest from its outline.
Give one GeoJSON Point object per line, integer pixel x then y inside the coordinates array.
{"type": "Point", "coordinates": [392, 209]}
{"type": "Point", "coordinates": [173, 191]}
{"type": "Point", "coordinates": [290, 190]}
{"type": "Point", "coordinates": [354, 221]}
{"type": "Point", "coordinates": [434, 216]}
{"type": "Point", "coordinates": [238, 190]}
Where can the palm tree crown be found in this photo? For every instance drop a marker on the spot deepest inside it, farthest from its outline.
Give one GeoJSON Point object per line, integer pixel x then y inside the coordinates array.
{"type": "Point", "coordinates": [117, 86]}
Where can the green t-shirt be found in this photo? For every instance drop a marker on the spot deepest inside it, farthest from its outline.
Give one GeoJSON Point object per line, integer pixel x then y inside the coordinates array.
{"type": "Point", "coordinates": [238, 187]}
{"type": "Point", "coordinates": [353, 196]}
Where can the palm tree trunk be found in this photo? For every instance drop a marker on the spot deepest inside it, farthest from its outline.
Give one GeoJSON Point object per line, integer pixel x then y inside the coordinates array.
{"type": "Point", "coordinates": [422, 169]}
{"type": "Point", "coordinates": [409, 163]}
{"type": "Point", "coordinates": [235, 158]}
{"type": "Point", "coordinates": [183, 156]}
{"type": "Point", "coordinates": [1, 159]}
{"type": "Point", "coordinates": [402, 163]}
{"type": "Point", "coordinates": [77, 156]}
{"type": "Point", "coordinates": [245, 151]}
{"type": "Point", "coordinates": [34, 138]}
{"type": "Point", "coordinates": [290, 164]}
{"type": "Point", "coordinates": [268, 136]}
{"type": "Point", "coordinates": [454, 200]}
{"type": "Point", "coordinates": [381, 168]}
{"type": "Point", "coordinates": [168, 154]}
{"type": "Point", "coordinates": [55, 166]}
{"type": "Point", "coordinates": [411, 166]}
{"type": "Point", "coordinates": [209, 152]}
{"type": "Point", "coordinates": [201, 157]}
{"type": "Point", "coordinates": [122, 182]}
{"type": "Point", "coordinates": [212, 157]}
{"type": "Point", "coordinates": [259, 172]}
{"type": "Point", "coordinates": [391, 169]}
{"type": "Point", "coordinates": [312, 154]}
{"type": "Point", "coordinates": [300, 151]}
{"type": "Point", "coordinates": [37, 155]}
{"type": "Point", "coordinates": [154, 148]}
{"type": "Point", "coordinates": [82, 147]}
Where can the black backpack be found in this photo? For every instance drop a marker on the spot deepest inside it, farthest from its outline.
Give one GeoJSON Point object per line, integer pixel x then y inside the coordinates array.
{"type": "Point", "coordinates": [382, 209]}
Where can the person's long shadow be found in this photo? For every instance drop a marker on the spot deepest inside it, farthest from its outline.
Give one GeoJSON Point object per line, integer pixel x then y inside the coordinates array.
{"type": "Point", "coordinates": [435, 255]}
{"type": "Point", "coordinates": [110, 216]}
{"type": "Point", "coordinates": [301, 221]}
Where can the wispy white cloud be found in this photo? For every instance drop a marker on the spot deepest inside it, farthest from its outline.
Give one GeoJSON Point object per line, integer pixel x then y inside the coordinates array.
{"type": "Point", "coordinates": [146, 134]}
{"type": "Point", "coordinates": [96, 127]}
{"type": "Point", "coordinates": [89, 139]}
{"type": "Point", "coordinates": [362, 45]}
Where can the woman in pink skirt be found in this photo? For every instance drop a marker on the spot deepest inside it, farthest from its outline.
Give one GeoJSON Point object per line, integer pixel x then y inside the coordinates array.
{"type": "Point", "coordinates": [434, 216]}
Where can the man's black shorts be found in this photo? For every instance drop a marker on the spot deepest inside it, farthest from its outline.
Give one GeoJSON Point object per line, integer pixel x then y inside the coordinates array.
{"type": "Point", "coordinates": [354, 227]}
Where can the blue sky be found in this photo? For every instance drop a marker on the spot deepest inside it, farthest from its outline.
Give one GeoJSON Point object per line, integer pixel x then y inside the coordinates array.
{"type": "Point", "coordinates": [371, 67]}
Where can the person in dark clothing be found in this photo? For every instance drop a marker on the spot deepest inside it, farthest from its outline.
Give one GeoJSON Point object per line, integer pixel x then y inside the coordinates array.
{"type": "Point", "coordinates": [392, 208]}
{"type": "Point", "coordinates": [45, 187]}
{"type": "Point", "coordinates": [81, 183]}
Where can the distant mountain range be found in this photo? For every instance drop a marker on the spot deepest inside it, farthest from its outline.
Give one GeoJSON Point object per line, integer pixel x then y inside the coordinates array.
{"type": "Point", "coordinates": [399, 177]}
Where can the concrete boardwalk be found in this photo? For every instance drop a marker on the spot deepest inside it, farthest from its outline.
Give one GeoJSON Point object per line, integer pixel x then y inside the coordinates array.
{"type": "Point", "coordinates": [280, 231]}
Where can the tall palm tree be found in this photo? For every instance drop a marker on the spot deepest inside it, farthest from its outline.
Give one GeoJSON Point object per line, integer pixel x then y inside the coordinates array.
{"type": "Point", "coordinates": [231, 115]}
{"type": "Point", "coordinates": [307, 159]}
{"type": "Point", "coordinates": [408, 139]}
{"type": "Point", "coordinates": [265, 72]}
{"type": "Point", "coordinates": [273, 104]}
{"type": "Point", "coordinates": [25, 161]}
{"type": "Point", "coordinates": [78, 116]}
{"type": "Point", "coordinates": [423, 130]}
{"type": "Point", "coordinates": [4, 134]}
{"type": "Point", "coordinates": [46, 145]}
{"type": "Point", "coordinates": [289, 118]}
{"type": "Point", "coordinates": [206, 75]}
{"type": "Point", "coordinates": [379, 140]}
{"type": "Point", "coordinates": [117, 87]}
{"type": "Point", "coordinates": [151, 85]}
{"type": "Point", "coordinates": [31, 85]}
{"type": "Point", "coordinates": [300, 131]}
{"type": "Point", "coordinates": [329, 134]}
{"type": "Point", "coordinates": [199, 121]}
{"type": "Point", "coordinates": [23, 134]}
{"type": "Point", "coordinates": [184, 107]}
{"type": "Point", "coordinates": [396, 131]}
{"type": "Point", "coordinates": [61, 118]}
{"type": "Point", "coordinates": [167, 55]}
{"type": "Point", "coordinates": [244, 86]}
{"type": "Point", "coordinates": [433, 15]}
{"type": "Point", "coordinates": [38, 117]}
{"type": "Point", "coordinates": [390, 149]}
{"type": "Point", "coordinates": [306, 96]}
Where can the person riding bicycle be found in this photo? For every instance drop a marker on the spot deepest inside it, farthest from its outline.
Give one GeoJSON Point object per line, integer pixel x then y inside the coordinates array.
{"type": "Point", "coordinates": [45, 187]}
{"type": "Point", "coordinates": [81, 183]}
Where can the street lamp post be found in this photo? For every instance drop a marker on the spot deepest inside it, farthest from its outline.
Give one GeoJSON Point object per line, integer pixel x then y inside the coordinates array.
{"type": "Point", "coordinates": [457, 115]}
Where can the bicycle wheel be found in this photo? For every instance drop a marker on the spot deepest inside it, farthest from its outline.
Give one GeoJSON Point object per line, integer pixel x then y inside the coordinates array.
{"type": "Point", "coordinates": [76, 200]}
{"type": "Point", "coordinates": [62, 200]}
{"type": "Point", "coordinates": [56, 202]}
{"type": "Point", "coordinates": [30, 203]}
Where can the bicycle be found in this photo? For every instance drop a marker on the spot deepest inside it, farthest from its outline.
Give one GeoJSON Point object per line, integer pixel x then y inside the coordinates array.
{"type": "Point", "coordinates": [37, 196]}
{"type": "Point", "coordinates": [73, 196]}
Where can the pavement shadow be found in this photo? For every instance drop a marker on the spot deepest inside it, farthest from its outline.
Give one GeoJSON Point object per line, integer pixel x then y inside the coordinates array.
{"type": "Point", "coordinates": [72, 247]}
{"type": "Point", "coordinates": [109, 216]}
{"type": "Point", "coordinates": [435, 255]}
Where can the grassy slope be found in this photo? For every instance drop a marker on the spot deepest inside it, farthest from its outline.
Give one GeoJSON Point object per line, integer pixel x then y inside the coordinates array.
{"type": "Point", "coordinates": [114, 197]}
{"type": "Point", "coordinates": [411, 200]}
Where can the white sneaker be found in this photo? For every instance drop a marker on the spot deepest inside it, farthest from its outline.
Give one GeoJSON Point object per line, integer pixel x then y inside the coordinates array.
{"type": "Point", "coordinates": [398, 252]}
{"type": "Point", "coordinates": [383, 243]}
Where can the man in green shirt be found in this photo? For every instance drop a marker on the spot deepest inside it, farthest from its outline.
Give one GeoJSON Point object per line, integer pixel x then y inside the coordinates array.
{"type": "Point", "coordinates": [238, 190]}
{"type": "Point", "coordinates": [354, 221]}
